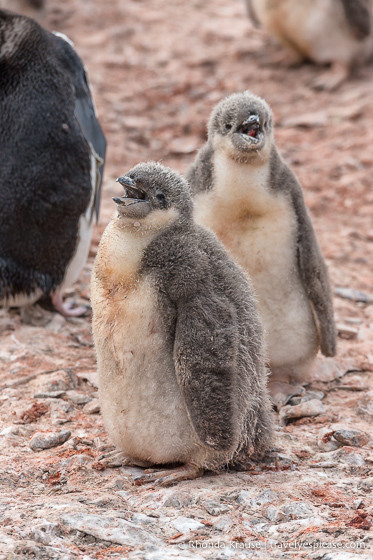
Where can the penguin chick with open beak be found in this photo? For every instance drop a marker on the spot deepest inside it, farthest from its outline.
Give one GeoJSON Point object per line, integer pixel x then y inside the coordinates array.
{"type": "Point", "coordinates": [248, 196]}
{"type": "Point", "coordinates": [336, 32]}
{"type": "Point", "coordinates": [51, 163]}
{"type": "Point", "coordinates": [178, 339]}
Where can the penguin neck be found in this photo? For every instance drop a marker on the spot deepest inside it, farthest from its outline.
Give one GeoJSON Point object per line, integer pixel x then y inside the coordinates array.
{"type": "Point", "coordinates": [241, 188]}
{"type": "Point", "coordinates": [123, 244]}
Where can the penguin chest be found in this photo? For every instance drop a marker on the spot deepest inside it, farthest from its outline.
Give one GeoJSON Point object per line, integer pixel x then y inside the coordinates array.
{"type": "Point", "coordinates": [260, 231]}
{"type": "Point", "coordinates": [142, 405]}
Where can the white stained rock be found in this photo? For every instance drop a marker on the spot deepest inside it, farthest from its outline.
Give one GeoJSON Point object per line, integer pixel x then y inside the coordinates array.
{"type": "Point", "coordinates": [186, 524]}
{"type": "Point", "coordinates": [109, 528]}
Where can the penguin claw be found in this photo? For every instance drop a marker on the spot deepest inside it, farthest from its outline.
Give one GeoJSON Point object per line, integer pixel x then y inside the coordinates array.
{"type": "Point", "coordinates": [168, 477]}
{"type": "Point", "coordinates": [65, 309]}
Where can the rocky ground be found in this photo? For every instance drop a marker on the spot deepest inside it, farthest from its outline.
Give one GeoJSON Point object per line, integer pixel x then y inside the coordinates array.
{"type": "Point", "coordinates": [157, 68]}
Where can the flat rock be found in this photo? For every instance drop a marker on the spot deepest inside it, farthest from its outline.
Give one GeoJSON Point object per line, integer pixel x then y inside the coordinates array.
{"type": "Point", "coordinates": [223, 523]}
{"type": "Point", "coordinates": [92, 407]}
{"type": "Point", "coordinates": [49, 395]}
{"type": "Point", "coordinates": [353, 295]}
{"type": "Point", "coordinates": [109, 528]}
{"type": "Point", "coordinates": [298, 510]}
{"type": "Point", "coordinates": [46, 440]}
{"type": "Point", "coordinates": [78, 398]}
{"type": "Point", "coordinates": [214, 508]}
{"type": "Point", "coordinates": [355, 438]}
{"type": "Point", "coordinates": [265, 497]}
{"type": "Point", "coordinates": [275, 515]}
{"type": "Point", "coordinates": [310, 408]}
{"type": "Point", "coordinates": [178, 500]}
{"type": "Point", "coordinates": [186, 524]}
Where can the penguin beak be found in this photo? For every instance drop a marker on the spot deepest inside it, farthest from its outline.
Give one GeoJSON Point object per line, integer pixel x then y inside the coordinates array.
{"type": "Point", "coordinates": [131, 191]}
{"type": "Point", "coordinates": [134, 203]}
{"type": "Point", "coordinates": [250, 127]}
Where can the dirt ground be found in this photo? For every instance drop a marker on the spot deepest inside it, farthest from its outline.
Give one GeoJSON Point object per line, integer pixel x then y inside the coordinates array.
{"type": "Point", "coordinates": [157, 68]}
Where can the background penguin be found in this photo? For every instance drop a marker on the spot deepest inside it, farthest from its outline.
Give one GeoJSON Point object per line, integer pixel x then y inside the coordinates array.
{"type": "Point", "coordinates": [51, 163]}
{"type": "Point", "coordinates": [178, 338]}
{"type": "Point", "coordinates": [336, 32]}
{"type": "Point", "coordinates": [248, 196]}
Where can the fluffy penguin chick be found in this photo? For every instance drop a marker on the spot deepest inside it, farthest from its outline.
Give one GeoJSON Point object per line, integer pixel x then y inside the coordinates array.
{"type": "Point", "coordinates": [51, 161]}
{"type": "Point", "coordinates": [178, 338]}
{"type": "Point", "coordinates": [338, 32]}
{"type": "Point", "coordinates": [248, 196]}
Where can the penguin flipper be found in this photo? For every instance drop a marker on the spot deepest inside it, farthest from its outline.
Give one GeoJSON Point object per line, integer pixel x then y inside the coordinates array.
{"type": "Point", "coordinates": [359, 17]}
{"type": "Point", "coordinates": [205, 350]}
{"type": "Point", "coordinates": [312, 267]}
{"type": "Point", "coordinates": [86, 115]}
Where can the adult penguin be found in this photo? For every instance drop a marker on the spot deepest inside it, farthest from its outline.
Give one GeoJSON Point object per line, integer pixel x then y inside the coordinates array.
{"type": "Point", "coordinates": [52, 152]}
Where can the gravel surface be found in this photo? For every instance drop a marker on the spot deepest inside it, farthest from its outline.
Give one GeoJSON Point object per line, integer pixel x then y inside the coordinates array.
{"type": "Point", "coordinates": [157, 68]}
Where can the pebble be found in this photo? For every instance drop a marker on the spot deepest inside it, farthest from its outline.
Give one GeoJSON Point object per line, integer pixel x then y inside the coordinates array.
{"type": "Point", "coordinates": [223, 523]}
{"type": "Point", "coordinates": [46, 440]}
{"type": "Point", "coordinates": [244, 497]}
{"type": "Point", "coordinates": [275, 515]}
{"type": "Point", "coordinates": [50, 395]}
{"type": "Point", "coordinates": [109, 528]}
{"type": "Point", "coordinates": [92, 407]}
{"type": "Point", "coordinates": [364, 408]}
{"type": "Point", "coordinates": [354, 438]}
{"type": "Point", "coordinates": [213, 508]}
{"type": "Point", "coordinates": [61, 381]}
{"type": "Point", "coordinates": [186, 524]}
{"type": "Point", "coordinates": [309, 396]}
{"type": "Point", "coordinates": [310, 408]}
{"type": "Point", "coordinates": [346, 332]}
{"type": "Point", "coordinates": [78, 398]}
{"type": "Point", "coordinates": [178, 500]}
{"type": "Point", "coordinates": [265, 497]}
{"type": "Point", "coordinates": [327, 443]}
{"type": "Point", "coordinates": [298, 510]}
{"type": "Point", "coordinates": [353, 295]}
{"type": "Point", "coordinates": [352, 459]}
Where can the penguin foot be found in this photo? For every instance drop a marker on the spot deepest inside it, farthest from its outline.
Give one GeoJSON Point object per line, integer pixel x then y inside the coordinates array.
{"type": "Point", "coordinates": [119, 459]}
{"type": "Point", "coordinates": [281, 392]}
{"type": "Point", "coordinates": [170, 476]}
{"type": "Point", "coordinates": [66, 308]}
{"type": "Point", "coordinates": [333, 78]}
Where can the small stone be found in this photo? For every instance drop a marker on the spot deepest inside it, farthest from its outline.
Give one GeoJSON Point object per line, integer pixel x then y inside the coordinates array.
{"type": "Point", "coordinates": [275, 515]}
{"type": "Point", "coordinates": [92, 407]}
{"type": "Point", "coordinates": [352, 459]}
{"type": "Point", "coordinates": [364, 408]}
{"type": "Point", "coordinates": [298, 510]}
{"type": "Point", "coordinates": [346, 332]}
{"type": "Point", "coordinates": [365, 484]}
{"type": "Point", "coordinates": [244, 497]}
{"type": "Point", "coordinates": [46, 440]}
{"type": "Point", "coordinates": [50, 395]}
{"type": "Point", "coordinates": [213, 508]}
{"type": "Point", "coordinates": [353, 295]}
{"type": "Point", "coordinates": [178, 500]}
{"type": "Point", "coordinates": [357, 503]}
{"type": "Point", "coordinates": [78, 398]}
{"type": "Point", "coordinates": [224, 523]}
{"type": "Point", "coordinates": [325, 441]}
{"type": "Point", "coordinates": [186, 524]}
{"type": "Point", "coordinates": [311, 408]}
{"type": "Point", "coordinates": [109, 528]}
{"type": "Point", "coordinates": [354, 438]}
{"type": "Point", "coordinates": [265, 497]}
{"type": "Point", "coordinates": [61, 381]}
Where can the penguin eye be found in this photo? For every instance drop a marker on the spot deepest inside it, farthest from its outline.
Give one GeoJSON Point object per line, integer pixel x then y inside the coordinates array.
{"type": "Point", "coordinates": [228, 127]}
{"type": "Point", "coordinates": [162, 199]}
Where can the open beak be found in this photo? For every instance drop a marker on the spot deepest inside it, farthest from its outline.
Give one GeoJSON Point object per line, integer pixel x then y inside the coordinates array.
{"type": "Point", "coordinates": [250, 127]}
{"type": "Point", "coordinates": [132, 193]}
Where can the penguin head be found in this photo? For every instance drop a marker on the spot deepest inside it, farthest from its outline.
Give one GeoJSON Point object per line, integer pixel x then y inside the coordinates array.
{"type": "Point", "coordinates": [152, 190]}
{"type": "Point", "coordinates": [242, 125]}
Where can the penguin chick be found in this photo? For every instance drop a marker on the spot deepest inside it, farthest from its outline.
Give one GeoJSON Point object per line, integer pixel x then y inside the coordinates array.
{"type": "Point", "coordinates": [248, 196]}
{"type": "Point", "coordinates": [336, 32]}
{"type": "Point", "coordinates": [51, 162]}
{"type": "Point", "coordinates": [178, 338]}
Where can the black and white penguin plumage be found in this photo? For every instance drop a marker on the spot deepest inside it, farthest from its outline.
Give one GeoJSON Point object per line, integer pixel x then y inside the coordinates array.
{"type": "Point", "coordinates": [52, 152]}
